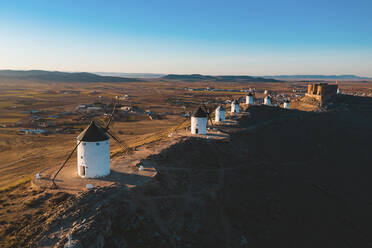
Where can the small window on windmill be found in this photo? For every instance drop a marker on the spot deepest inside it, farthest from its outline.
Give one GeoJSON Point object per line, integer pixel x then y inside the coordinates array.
{"type": "Point", "coordinates": [97, 144]}
{"type": "Point", "coordinates": [84, 144]}
{"type": "Point", "coordinates": [81, 157]}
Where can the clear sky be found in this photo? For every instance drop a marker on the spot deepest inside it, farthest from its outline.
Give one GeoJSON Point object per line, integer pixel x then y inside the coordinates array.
{"type": "Point", "coordinates": [245, 37]}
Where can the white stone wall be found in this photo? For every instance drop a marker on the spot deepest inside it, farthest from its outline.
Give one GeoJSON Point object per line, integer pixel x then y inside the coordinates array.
{"type": "Point", "coordinates": [220, 116]}
{"type": "Point", "coordinates": [200, 124]}
{"type": "Point", "coordinates": [95, 157]}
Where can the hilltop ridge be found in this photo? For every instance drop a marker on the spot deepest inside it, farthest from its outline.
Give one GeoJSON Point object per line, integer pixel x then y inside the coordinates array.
{"type": "Point", "coordinates": [223, 78]}
{"type": "Point", "coordinates": [57, 76]}
{"type": "Point", "coordinates": [319, 77]}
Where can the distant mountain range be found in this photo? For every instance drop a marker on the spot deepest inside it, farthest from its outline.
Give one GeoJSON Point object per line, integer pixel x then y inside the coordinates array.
{"type": "Point", "coordinates": [324, 77]}
{"type": "Point", "coordinates": [198, 77]}
{"type": "Point", "coordinates": [131, 75]}
{"type": "Point", "coordinates": [57, 76]}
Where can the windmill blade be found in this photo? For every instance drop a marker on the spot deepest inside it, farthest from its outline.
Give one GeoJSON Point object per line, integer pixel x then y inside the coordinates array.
{"type": "Point", "coordinates": [125, 146]}
{"type": "Point", "coordinates": [184, 120]}
{"type": "Point", "coordinates": [83, 117]}
{"type": "Point", "coordinates": [210, 119]}
{"type": "Point", "coordinates": [63, 165]}
{"type": "Point", "coordinates": [209, 109]}
{"type": "Point", "coordinates": [205, 108]}
{"type": "Point", "coordinates": [100, 122]}
{"type": "Point", "coordinates": [111, 116]}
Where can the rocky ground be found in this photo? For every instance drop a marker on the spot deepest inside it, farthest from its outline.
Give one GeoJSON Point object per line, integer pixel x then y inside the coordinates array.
{"type": "Point", "coordinates": [286, 178]}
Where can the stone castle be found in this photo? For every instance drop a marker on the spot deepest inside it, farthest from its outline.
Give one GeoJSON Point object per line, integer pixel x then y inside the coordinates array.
{"type": "Point", "coordinates": [322, 91]}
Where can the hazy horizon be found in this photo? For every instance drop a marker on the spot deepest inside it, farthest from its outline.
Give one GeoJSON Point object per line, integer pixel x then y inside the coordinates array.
{"type": "Point", "coordinates": [210, 37]}
{"type": "Point", "coordinates": [163, 74]}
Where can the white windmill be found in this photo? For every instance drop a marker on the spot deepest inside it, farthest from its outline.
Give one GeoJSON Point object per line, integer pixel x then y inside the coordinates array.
{"type": "Point", "coordinates": [199, 121]}
{"type": "Point", "coordinates": [286, 104]}
{"type": "Point", "coordinates": [220, 114]}
{"type": "Point", "coordinates": [235, 107]}
{"type": "Point", "coordinates": [93, 150]}
{"type": "Point", "coordinates": [267, 100]}
{"type": "Point", "coordinates": [338, 88]}
{"type": "Point", "coordinates": [249, 99]}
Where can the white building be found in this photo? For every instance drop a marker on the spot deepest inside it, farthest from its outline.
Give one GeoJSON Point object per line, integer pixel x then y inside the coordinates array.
{"type": "Point", "coordinates": [93, 152]}
{"type": "Point", "coordinates": [199, 122]}
{"type": "Point", "coordinates": [339, 91]}
{"type": "Point", "coordinates": [267, 100]}
{"type": "Point", "coordinates": [249, 99]}
{"type": "Point", "coordinates": [286, 104]}
{"type": "Point", "coordinates": [235, 107]}
{"type": "Point", "coordinates": [220, 114]}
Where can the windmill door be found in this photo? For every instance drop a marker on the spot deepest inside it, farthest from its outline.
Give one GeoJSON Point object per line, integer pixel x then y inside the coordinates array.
{"type": "Point", "coordinates": [83, 170]}
{"type": "Point", "coordinates": [197, 130]}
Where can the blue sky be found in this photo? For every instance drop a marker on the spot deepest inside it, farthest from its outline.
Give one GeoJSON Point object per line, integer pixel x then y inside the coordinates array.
{"type": "Point", "coordinates": [261, 37]}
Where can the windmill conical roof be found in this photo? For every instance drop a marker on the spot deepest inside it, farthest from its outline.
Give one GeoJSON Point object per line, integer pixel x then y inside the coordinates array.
{"type": "Point", "coordinates": [199, 113]}
{"type": "Point", "coordinates": [93, 133]}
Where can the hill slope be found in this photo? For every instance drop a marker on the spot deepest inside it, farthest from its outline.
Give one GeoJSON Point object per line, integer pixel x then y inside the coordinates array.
{"type": "Point", "coordinates": [285, 179]}
{"type": "Point", "coordinates": [56, 76]}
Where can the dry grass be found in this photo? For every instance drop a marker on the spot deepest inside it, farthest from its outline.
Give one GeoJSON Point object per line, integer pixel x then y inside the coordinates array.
{"type": "Point", "coordinates": [15, 184]}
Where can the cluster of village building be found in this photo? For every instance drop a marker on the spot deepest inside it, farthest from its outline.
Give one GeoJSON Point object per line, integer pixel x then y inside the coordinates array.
{"type": "Point", "coordinates": [43, 122]}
